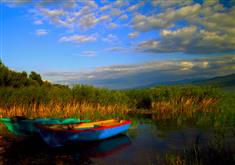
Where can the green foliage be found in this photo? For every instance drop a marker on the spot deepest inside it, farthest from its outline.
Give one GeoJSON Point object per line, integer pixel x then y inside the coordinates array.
{"type": "Point", "coordinates": [227, 108]}
{"type": "Point", "coordinates": [35, 77]}
{"type": "Point", "coordinates": [9, 78]}
{"type": "Point", "coordinates": [90, 94]}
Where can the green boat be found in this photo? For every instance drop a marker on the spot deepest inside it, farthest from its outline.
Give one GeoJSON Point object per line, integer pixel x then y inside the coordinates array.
{"type": "Point", "coordinates": [22, 126]}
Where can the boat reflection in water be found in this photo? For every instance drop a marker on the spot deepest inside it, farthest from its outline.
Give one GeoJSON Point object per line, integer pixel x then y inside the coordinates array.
{"type": "Point", "coordinates": [34, 150]}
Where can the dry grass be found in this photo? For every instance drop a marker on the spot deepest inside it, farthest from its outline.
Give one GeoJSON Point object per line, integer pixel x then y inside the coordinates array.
{"type": "Point", "coordinates": [185, 106]}
{"type": "Point", "coordinates": [162, 110]}
{"type": "Point", "coordinates": [77, 110]}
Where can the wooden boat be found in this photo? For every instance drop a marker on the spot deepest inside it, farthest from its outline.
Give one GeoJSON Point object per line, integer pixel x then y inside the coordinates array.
{"type": "Point", "coordinates": [58, 135]}
{"type": "Point", "coordinates": [22, 126]}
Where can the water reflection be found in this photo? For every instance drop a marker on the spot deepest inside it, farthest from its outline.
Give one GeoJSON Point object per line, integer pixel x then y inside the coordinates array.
{"type": "Point", "coordinates": [144, 143]}
{"type": "Point", "coordinates": [35, 151]}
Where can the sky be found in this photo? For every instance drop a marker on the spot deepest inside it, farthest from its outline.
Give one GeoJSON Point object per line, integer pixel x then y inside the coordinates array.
{"type": "Point", "coordinates": [119, 43]}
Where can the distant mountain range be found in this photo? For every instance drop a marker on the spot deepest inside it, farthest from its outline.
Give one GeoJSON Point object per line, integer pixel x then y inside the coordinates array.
{"type": "Point", "coordinates": [227, 81]}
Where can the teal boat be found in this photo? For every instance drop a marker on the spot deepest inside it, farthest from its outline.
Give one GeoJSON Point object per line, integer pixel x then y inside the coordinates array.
{"type": "Point", "coordinates": [22, 126]}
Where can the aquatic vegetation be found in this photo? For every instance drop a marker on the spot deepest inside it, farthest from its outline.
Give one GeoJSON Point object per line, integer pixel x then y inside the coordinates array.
{"type": "Point", "coordinates": [94, 103]}
{"type": "Point", "coordinates": [219, 150]}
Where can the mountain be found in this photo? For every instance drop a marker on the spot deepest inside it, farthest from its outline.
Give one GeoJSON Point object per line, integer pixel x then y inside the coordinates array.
{"type": "Point", "coordinates": [225, 82]}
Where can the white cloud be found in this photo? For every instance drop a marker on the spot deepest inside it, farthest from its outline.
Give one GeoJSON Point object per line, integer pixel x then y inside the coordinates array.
{"type": "Point", "coordinates": [204, 64]}
{"type": "Point", "coordinates": [121, 3]}
{"type": "Point", "coordinates": [41, 32]}
{"type": "Point", "coordinates": [136, 6]}
{"type": "Point", "coordinates": [133, 35]}
{"type": "Point", "coordinates": [88, 21]}
{"type": "Point", "coordinates": [186, 65]}
{"type": "Point", "coordinates": [106, 7]}
{"type": "Point", "coordinates": [123, 17]}
{"type": "Point", "coordinates": [115, 12]}
{"type": "Point", "coordinates": [146, 23]}
{"type": "Point", "coordinates": [16, 3]}
{"type": "Point", "coordinates": [38, 22]}
{"type": "Point", "coordinates": [115, 49]}
{"type": "Point", "coordinates": [112, 25]}
{"type": "Point", "coordinates": [110, 38]}
{"type": "Point", "coordinates": [171, 3]}
{"type": "Point", "coordinates": [150, 46]}
{"type": "Point", "coordinates": [189, 39]}
{"type": "Point", "coordinates": [78, 38]}
{"type": "Point", "coordinates": [52, 12]}
{"type": "Point", "coordinates": [163, 20]}
{"type": "Point", "coordinates": [89, 53]}
{"type": "Point", "coordinates": [104, 18]}
{"type": "Point", "coordinates": [91, 3]}
{"type": "Point", "coordinates": [84, 10]}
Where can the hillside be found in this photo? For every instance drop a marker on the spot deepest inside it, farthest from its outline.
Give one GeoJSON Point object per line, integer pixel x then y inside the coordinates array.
{"type": "Point", "coordinates": [226, 82]}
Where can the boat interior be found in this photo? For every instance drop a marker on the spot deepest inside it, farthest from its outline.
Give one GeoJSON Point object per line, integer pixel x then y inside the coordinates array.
{"type": "Point", "coordinates": [78, 126]}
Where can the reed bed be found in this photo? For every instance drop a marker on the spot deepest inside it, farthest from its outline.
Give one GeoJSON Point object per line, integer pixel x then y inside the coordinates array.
{"type": "Point", "coordinates": [188, 107]}
{"type": "Point", "coordinates": [86, 102]}
{"type": "Point", "coordinates": [78, 110]}
{"type": "Point", "coordinates": [161, 110]}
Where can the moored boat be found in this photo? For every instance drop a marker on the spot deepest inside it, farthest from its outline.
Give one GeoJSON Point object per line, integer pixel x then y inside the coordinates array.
{"type": "Point", "coordinates": [58, 135]}
{"type": "Point", "coordinates": [22, 126]}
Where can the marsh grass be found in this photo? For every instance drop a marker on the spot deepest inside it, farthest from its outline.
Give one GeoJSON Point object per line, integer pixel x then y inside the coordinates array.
{"type": "Point", "coordinates": [162, 110]}
{"type": "Point", "coordinates": [219, 150]}
{"type": "Point", "coordinates": [77, 110]}
{"type": "Point", "coordinates": [200, 104]}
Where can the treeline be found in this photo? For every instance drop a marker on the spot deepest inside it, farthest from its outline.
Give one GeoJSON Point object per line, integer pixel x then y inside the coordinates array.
{"type": "Point", "coordinates": [20, 89]}
{"type": "Point", "coordinates": [9, 78]}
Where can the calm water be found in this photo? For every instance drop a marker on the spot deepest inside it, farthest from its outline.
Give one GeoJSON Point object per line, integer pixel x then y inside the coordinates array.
{"type": "Point", "coordinates": [144, 143]}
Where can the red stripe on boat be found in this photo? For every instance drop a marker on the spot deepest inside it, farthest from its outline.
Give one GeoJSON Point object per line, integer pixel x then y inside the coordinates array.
{"type": "Point", "coordinates": [85, 130]}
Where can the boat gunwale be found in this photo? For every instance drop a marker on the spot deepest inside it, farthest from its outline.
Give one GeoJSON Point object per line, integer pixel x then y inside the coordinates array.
{"type": "Point", "coordinates": [45, 127]}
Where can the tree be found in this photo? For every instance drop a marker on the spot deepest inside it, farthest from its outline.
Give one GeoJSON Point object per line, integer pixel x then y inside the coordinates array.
{"type": "Point", "coordinates": [4, 72]}
{"type": "Point", "coordinates": [36, 77]}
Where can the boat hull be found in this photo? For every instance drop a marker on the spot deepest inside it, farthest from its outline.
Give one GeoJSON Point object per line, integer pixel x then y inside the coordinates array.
{"type": "Point", "coordinates": [56, 138]}
{"type": "Point", "coordinates": [25, 127]}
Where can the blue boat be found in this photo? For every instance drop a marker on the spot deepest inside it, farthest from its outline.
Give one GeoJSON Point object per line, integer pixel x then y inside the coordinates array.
{"type": "Point", "coordinates": [58, 135]}
{"type": "Point", "coordinates": [22, 126]}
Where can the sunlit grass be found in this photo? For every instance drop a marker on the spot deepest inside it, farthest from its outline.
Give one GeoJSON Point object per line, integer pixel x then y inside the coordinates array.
{"type": "Point", "coordinates": [162, 110]}
{"type": "Point", "coordinates": [184, 106]}
{"type": "Point", "coordinates": [200, 104]}
{"type": "Point", "coordinates": [78, 110]}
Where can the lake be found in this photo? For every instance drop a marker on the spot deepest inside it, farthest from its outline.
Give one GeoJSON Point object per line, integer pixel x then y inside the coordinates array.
{"type": "Point", "coordinates": [147, 142]}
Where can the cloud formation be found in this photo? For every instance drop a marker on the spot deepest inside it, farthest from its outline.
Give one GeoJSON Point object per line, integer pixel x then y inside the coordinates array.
{"type": "Point", "coordinates": [78, 38]}
{"type": "Point", "coordinates": [110, 38]}
{"type": "Point", "coordinates": [210, 28]}
{"type": "Point", "coordinates": [133, 35]}
{"type": "Point", "coordinates": [179, 26]}
{"type": "Point", "coordinates": [151, 73]}
{"type": "Point", "coordinates": [88, 53]}
{"type": "Point", "coordinates": [41, 32]}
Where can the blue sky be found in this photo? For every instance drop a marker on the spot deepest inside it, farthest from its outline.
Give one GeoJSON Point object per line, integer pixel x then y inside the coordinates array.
{"type": "Point", "coordinates": [61, 39]}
